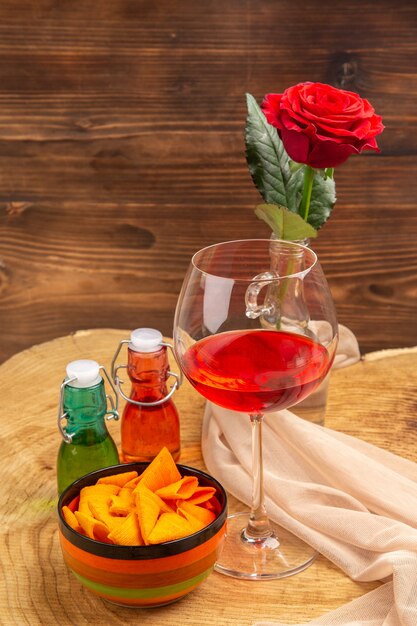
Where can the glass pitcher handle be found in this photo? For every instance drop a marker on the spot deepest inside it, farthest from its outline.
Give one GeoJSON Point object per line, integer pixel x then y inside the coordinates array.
{"type": "Point", "coordinates": [253, 309]}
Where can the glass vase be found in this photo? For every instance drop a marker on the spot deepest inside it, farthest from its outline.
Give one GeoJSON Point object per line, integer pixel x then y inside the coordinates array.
{"type": "Point", "coordinates": [313, 408]}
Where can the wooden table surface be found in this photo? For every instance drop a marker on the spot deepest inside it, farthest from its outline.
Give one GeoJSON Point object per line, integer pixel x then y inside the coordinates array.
{"type": "Point", "coordinates": [122, 153]}
{"type": "Point", "coordinates": [374, 399]}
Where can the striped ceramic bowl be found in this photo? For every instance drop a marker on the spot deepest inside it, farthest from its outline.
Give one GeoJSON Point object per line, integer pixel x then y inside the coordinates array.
{"type": "Point", "coordinates": [142, 576]}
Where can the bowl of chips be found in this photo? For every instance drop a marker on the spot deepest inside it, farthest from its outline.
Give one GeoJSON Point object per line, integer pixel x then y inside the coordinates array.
{"type": "Point", "coordinates": [142, 535]}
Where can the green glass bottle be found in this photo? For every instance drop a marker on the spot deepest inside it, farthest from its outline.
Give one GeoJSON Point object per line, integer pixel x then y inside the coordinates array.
{"type": "Point", "coordinates": [87, 443]}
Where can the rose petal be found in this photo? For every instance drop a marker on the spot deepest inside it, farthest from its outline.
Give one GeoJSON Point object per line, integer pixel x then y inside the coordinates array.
{"type": "Point", "coordinates": [296, 144]}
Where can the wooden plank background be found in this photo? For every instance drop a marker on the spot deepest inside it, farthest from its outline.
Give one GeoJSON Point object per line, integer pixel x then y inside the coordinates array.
{"type": "Point", "coordinates": [121, 153]}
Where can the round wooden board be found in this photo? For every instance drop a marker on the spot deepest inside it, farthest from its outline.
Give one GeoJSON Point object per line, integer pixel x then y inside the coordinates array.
{"type": "Point", "coordinates": [374, 399]}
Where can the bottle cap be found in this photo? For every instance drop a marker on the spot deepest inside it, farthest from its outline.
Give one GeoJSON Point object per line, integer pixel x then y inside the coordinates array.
{"type": "Point", "coordinates": [145, 340]}
{"type": "Point", "coordinates": [86, 372]}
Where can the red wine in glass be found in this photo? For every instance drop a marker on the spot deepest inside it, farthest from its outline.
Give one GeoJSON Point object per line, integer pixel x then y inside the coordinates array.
{"type": "Point", "coordinates": [255, 331]}
{"type": "Point", "coordinates": [255, 370]}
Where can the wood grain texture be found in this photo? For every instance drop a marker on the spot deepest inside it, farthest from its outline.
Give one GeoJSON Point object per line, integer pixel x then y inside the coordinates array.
{"type": "Point", "coordinates": [37, 589]}
{"type": "Point", "coordinates": [122, 153]}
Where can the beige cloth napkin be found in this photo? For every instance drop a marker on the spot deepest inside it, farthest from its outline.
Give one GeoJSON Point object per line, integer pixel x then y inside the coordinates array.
{"type": "Point", "coordinates": [351, 501]}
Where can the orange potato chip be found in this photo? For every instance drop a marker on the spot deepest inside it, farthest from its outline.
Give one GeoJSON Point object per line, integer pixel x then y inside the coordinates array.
{"type": "Point", "coordinates": [170, 526]}
{"type": "Point", "coordinates": [195, 523]}
{"type": "Point", "coordinates": [161, 472]}
{"type": "Point", "coordinates": [92, 527]}
{"type": "Point", "coordinates": [117, 479]}
{"type": "Point", "coordinates": [126, 494]}
{"type": "Point", "coordinates": [102, 515]}
{"type": "Point", "coordinates": [212, 505]}
{"type": "Point", "coordinates": [123, 503]}
{"type": "Point", "coordinates": [149, 507]}
{"type": "Point", "coordinates": [128, 532]}
{"type": "Point", "coordinates": [134, 482]}
{"type": "Point", "coordinates": [70, 518]}
{"type": "Point", "coordinates": [95, 494]}
{"type": "Point", "coordinates": [181, 489]}
{"type": "Point", "coordinates": [202, 494]}
{"type": "Point", "coordinates": [99, 502]}
{"type": "Point", "coordinates": [199, 513]}
{"type": "Point", "coordinates": [206, 505]}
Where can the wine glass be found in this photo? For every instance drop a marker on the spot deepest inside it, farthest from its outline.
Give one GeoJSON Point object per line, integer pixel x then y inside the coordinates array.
{"type": "Point", "coordinates": [255, 331]}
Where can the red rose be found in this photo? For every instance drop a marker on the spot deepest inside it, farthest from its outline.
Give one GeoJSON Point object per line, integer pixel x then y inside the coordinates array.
{"type": "Point", "coordinates": [322, 126]}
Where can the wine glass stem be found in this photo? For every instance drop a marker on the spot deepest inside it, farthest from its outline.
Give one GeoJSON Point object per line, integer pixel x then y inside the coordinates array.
{"type": "Point", "coordinates": [258, 528]}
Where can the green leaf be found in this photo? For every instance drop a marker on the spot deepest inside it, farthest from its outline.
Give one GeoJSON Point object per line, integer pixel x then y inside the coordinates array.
{"type": "Point", "coordinates": [323, 199]}
{"type": "Point", "coordinates": [267, 159]}
{"type": "Point", "coordinates": [295, 189]}
{"type": "Point", "coordinates": [284, 223]}
{"type": "Point", "coordinates": [273, 216]}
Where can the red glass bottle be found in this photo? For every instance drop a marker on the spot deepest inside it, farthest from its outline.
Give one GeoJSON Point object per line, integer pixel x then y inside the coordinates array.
{"type": "Point", "coordinates": [147, 428]}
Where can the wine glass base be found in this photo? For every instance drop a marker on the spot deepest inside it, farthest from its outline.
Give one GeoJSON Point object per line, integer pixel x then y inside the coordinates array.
{"type": "Point", "coordinates": [281, 555]}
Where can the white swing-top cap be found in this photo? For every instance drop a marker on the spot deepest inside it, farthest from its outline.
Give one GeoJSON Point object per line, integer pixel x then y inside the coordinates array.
{"type": "Point", "coordinates": [145, 340]}
{"type": "Point", "coordinates": [86, 372]}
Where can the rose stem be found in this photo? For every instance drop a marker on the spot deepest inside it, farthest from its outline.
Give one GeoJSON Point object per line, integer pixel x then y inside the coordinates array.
{"type": "Point", "coordinates": [308, 188]}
